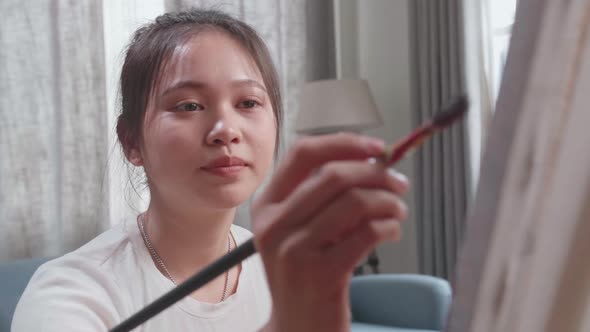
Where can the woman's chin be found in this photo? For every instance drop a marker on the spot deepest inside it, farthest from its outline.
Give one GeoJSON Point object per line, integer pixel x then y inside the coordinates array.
{"type": "Point", "coordinates": [227, 204]}
{"type": "Point", "coordinates": [225, 199]}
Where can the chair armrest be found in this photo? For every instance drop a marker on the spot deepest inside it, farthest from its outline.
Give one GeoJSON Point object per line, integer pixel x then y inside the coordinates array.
{"type": "Point", "coordinates": [14, 277]}
{"type": "Point", "coordinates": [400, 300]}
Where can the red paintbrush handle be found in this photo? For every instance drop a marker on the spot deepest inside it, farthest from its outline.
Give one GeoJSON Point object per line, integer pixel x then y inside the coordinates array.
{"type": "Point", "coordinates": [397, 152]}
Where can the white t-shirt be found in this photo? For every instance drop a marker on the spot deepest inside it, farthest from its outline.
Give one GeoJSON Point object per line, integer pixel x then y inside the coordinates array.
{"type": "Point", "coordinates": [113, 276]}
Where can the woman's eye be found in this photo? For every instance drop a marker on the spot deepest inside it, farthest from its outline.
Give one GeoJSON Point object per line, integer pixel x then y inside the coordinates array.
{"type": "Point", "coordinates": [189, 107]}
{"type": "Point", "coordinates": [249, 103]}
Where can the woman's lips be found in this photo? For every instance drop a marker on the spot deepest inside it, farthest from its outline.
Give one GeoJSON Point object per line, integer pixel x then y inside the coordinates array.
{"type": "Point", "coordinates": [225, 166]}
{"type": "Point", "coordinates": [225, 170]}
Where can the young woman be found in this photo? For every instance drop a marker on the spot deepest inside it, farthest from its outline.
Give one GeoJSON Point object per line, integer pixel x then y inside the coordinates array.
{"type": "Point", "coordinates": [201, 113]}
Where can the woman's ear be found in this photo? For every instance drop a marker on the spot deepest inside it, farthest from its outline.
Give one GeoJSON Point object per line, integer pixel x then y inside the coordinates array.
{"type": "Point", "coordinates": [129, 143]}
{"type": "Point", "coordinates": [134, 157]}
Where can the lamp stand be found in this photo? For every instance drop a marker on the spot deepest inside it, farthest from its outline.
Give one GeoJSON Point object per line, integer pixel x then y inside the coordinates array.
{"type": "Point", "coordinates": [372, 261]}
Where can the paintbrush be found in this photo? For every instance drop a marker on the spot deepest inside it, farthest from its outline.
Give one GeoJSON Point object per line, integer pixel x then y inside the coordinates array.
{"type": "Point", "coordinates": [453, 111]}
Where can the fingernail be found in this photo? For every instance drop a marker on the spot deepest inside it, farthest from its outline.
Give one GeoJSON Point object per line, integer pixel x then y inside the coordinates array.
{"type": "Point", "coordinates": [373, 145]}
{"type": "Point", "coordinates": [389, 229]}
{"type": "Point", "coordinates": [399, 176]}
{"type": "Point", "coordinates": [404, 210]}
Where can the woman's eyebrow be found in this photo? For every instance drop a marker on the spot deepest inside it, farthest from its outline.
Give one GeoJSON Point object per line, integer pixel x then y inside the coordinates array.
{"type": "Point", "coordinates": [249, 82]}
{"type": "Point", "coordinates": [185, 84]}
{"type": "Point", "coordinates": [196, 85]}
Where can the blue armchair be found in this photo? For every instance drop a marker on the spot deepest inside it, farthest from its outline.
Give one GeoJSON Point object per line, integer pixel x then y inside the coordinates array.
{"type": "Point", "coordinates": [399, 303]}
{"type": "Point", "coordinates": [379, 303]}
{"type": "Point", "coordinates": [14, 277]}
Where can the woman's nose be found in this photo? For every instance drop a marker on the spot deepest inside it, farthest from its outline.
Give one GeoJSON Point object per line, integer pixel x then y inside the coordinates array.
{"type": "Point", "coordinates": [223, 133]}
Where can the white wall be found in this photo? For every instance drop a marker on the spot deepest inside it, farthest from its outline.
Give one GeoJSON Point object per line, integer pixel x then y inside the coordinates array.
{"type": "Point", "coordinates": [373, 44]}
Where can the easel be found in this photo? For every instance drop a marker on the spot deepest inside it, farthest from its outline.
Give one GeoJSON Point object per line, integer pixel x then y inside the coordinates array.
{"type": "Point", "coordinates": [525, 263]}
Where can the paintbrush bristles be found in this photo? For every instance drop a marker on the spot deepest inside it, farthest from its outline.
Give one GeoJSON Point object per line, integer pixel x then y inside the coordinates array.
{"type": "Point", "coordinates": [454, 110]}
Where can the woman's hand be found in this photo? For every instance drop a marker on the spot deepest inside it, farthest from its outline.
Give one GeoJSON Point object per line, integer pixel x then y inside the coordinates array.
{"type": "Point", "coordinates": [325, 209]}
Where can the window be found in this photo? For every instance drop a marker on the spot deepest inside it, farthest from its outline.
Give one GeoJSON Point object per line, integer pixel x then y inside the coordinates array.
{"type": "Point", "coordinates": [500, 15]}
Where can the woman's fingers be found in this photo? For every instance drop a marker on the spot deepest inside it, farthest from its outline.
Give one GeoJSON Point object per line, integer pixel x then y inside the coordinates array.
{"type": "Point", "coordinates": [350, 209]}
{"type": "Point", "coordinates": [324, 209]}
{"type": "Point", "coordinates": [332, 180]}
{"type": "Point", "coordinates": [336, 222]}
{"type": "Point", "coordinates": [311, 153]}
{"type": "Point", "coordinates": [345, 255]}
{"type": "Point", "coordinates": [401, 181]}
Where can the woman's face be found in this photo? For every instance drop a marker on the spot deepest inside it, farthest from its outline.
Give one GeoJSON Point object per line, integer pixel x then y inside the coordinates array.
{"type": "Point", "coordinates": [209, 130]}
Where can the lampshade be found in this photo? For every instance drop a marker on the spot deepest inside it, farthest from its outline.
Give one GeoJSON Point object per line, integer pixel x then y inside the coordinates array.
{"type": "Point", "coordinates": [336, 105]}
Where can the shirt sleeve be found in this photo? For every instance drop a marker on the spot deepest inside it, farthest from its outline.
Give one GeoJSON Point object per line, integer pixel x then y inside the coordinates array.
{"type": "Point", "coordinates": [68, 295]}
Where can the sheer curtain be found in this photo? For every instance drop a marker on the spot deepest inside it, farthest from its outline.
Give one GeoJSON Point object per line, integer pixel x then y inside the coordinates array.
{"type": "Point", "coordinates": [62, 180]}
{"type": "Point", "coordinates": [52, 126]}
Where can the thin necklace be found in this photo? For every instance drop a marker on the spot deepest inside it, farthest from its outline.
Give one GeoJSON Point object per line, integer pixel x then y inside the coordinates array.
{"type": "Point", "coordinates": [156, 257]}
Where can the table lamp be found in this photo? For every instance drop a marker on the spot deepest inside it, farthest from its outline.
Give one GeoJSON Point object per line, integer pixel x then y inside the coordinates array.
{"type": "Point", "coordinates": [330, 106]}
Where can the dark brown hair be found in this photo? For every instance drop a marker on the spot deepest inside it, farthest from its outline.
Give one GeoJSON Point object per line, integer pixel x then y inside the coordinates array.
{"type": "Point", "coordinates": [153, 44]}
